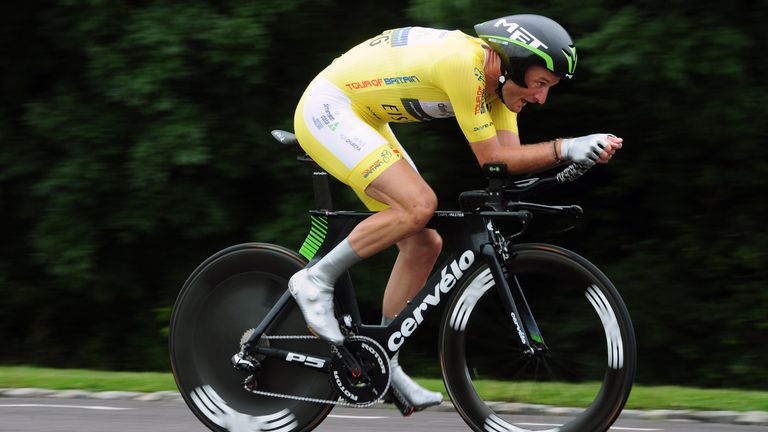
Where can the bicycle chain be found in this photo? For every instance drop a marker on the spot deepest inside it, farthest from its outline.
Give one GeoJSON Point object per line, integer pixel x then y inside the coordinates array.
{"type": "Point", "coordinates": [338, 402]}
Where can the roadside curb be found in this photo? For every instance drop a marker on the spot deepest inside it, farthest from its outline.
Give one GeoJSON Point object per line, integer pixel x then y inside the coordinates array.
{"type": "Point", "coordinates": [748, 418]}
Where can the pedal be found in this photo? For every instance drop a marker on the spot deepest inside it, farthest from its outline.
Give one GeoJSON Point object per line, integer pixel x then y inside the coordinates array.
{"type": "Point", "coordinates": [405, 408]}
{"type": "Point", "coordinates": [345, 324]}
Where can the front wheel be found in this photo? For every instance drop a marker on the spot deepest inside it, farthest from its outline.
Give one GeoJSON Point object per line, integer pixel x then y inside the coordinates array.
{"type": "Point", "coordinates": [584, 357]}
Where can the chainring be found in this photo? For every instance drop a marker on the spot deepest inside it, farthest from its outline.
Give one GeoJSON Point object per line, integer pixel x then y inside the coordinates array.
{"type": "Point", "coordinates": [366, 387]}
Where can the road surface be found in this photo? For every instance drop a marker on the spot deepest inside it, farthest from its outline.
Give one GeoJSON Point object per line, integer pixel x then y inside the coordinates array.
{"type": "Point", "coordinates": [88, 415]}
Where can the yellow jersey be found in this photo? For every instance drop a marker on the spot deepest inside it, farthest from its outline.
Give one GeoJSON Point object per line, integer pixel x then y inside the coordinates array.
{"type": "Point", "coordinates": [419, 74]}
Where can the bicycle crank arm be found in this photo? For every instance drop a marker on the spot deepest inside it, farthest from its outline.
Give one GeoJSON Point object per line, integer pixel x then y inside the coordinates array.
{"type": "Point", "coordinates": [351, 363]}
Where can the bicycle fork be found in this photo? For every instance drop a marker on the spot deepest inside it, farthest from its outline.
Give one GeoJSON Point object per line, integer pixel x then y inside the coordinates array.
{"type": "Point", "coordinates": [515, 304]}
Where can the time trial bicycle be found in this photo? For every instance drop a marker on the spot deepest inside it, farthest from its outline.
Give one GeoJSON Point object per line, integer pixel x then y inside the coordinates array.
{"type": "Point", "coordinates": [244, 359]}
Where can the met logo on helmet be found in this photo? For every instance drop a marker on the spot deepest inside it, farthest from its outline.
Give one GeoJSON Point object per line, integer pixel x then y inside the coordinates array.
{"type": "Point", "coordinates": [520, 34]}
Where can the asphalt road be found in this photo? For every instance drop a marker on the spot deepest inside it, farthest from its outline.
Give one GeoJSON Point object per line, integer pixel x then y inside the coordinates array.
{"type": "Point", "coordinates": [88, 415]}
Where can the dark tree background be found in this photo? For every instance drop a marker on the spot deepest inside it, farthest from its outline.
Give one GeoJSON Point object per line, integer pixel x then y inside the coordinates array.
{"type": "Point", "coordinates": [134, 142]}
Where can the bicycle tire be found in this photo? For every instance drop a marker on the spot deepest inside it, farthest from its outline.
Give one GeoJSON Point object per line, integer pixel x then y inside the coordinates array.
{"type": "Point", "coordinates": [224, 297]}
{"type": "Point", "coordinates": [591, 344]}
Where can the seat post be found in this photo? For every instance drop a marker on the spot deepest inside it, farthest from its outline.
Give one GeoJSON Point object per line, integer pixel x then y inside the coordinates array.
{"type": "Point", "coordinates": [322, 188]}
{"type": "Point", "coordinates": [321, 185]}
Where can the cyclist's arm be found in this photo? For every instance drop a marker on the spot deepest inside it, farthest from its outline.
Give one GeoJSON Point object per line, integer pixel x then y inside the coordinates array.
{"type": "Point", "coordinates": [505, 145]}
{"type": "Point", "coordinates": [492, 132]}
{"type": "Point", "coordinates": [520, 159]}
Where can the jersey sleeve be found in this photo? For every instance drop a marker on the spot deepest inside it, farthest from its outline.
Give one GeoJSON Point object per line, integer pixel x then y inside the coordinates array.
{"type": "Point", "coordinates": [463, 80]}
{"type": "Point", "coordinates": [503, 118]}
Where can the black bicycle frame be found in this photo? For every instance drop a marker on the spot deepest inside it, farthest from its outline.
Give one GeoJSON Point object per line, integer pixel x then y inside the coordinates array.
{"type": "Point", "coordinates": [469, 238]}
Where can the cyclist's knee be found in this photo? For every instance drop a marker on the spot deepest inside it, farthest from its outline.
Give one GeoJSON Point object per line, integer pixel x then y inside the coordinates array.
{"type": "Point", "coordinates": [420, 210]}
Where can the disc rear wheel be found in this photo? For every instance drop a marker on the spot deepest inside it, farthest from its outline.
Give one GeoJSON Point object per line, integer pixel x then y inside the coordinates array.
{"type": "Point", "coordinates": [227, 296]}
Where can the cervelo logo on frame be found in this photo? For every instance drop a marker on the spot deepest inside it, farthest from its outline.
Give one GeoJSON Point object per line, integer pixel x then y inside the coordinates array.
{"type": "Point", "coordinates": [447, 282]}
{"type": "Point", "coordinates": [520, 34]}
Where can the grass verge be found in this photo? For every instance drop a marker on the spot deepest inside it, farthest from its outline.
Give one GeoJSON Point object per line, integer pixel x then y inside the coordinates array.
{"type": "Point", "coordinates": [642, 397]}
{"type": "Point", "coordinates": [82, 379]}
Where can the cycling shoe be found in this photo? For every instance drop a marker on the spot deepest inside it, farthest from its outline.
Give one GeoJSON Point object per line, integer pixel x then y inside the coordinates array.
{"type": "Point", "coordinates": [316, 303]}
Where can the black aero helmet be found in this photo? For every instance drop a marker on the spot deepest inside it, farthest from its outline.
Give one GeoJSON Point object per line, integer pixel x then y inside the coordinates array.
{"type": "Point", "coordinates": [525, 40]}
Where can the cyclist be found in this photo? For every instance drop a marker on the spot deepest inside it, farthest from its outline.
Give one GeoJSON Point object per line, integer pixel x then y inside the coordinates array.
{"type": "Point", "coordinates": [419, 74]}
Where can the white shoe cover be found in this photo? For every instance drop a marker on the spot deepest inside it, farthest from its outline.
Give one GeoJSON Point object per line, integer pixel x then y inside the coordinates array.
{"type": "Point", "coordinates": [316, 304]}
{"type": "Point", "coordinates": [416, 395]}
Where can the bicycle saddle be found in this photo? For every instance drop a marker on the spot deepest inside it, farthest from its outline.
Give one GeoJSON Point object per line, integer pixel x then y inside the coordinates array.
{"type": "Point", "coordinates": [285, 137]}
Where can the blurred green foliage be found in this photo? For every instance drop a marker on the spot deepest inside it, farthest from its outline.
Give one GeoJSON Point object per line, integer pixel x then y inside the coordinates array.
{"type": "Point", "coordinates": [134, 143]}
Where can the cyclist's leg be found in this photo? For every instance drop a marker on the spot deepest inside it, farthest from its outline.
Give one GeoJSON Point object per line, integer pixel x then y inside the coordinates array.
{"type": "Point", "coordinates": [352, 150]}
{"type": "Point", "coordinates": [373, 163]}
{"type": "Point", "coordinates": [416, 257]}
{"type": "Point", "coordinates": [328, 130]}
{"type": "Point", "coordinates": [365, 156]}
{"type": "Point", "coordinates": [417, 396]}
{"type": "Point", "coordinates": [410, 204]}
{"type": "Point", "coordinates": [415, 260]}
{"type": "Point", "coordinates": [380, 230]}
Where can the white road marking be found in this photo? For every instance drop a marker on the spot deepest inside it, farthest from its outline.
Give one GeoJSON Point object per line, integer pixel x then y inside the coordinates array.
{"type": "Point", "coordinates": [634, 429]}
{"type": "Point", "coordinates": [618, 428]}
{"type": "Point", "coordinates": [90, 407]}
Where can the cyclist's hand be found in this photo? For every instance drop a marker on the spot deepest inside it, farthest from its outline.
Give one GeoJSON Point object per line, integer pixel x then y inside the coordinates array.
{"type": "Point", "coordinates": [589, 149]}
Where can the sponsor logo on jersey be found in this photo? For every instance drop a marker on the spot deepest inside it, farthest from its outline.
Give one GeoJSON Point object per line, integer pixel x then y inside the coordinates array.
{"type": "Point", "coordinates": [327, 119]}
{"type": "Point", "coordinates": [383, 37]}
{"type": "Point", "coordinates": [425, 111]}
{"type": "Point", "coordinates": [408, 36]}
{"type": "Point", "coordinates": [379, 82]}
{"type": "Point", "coordinates": [401, 80]}
{"type": "Point", "coordinates": [394, 113]}
{"type": "Point", "coordinates": [372, 168]}
{"type": "Point", "coordinates": [482, 127]}
{"type": "Point", "coordinates": [480, 75]}
{"type": "Point", "coordinates": [370, 111]}
{"type": "Point", "coordinates": [386, 157]}
{"type": "Point", "coordinates": [480, 100]}
{"type": "Point", "coordinates": [400, 36]}
{"type": "Point", "coordinates": [355, 142]}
